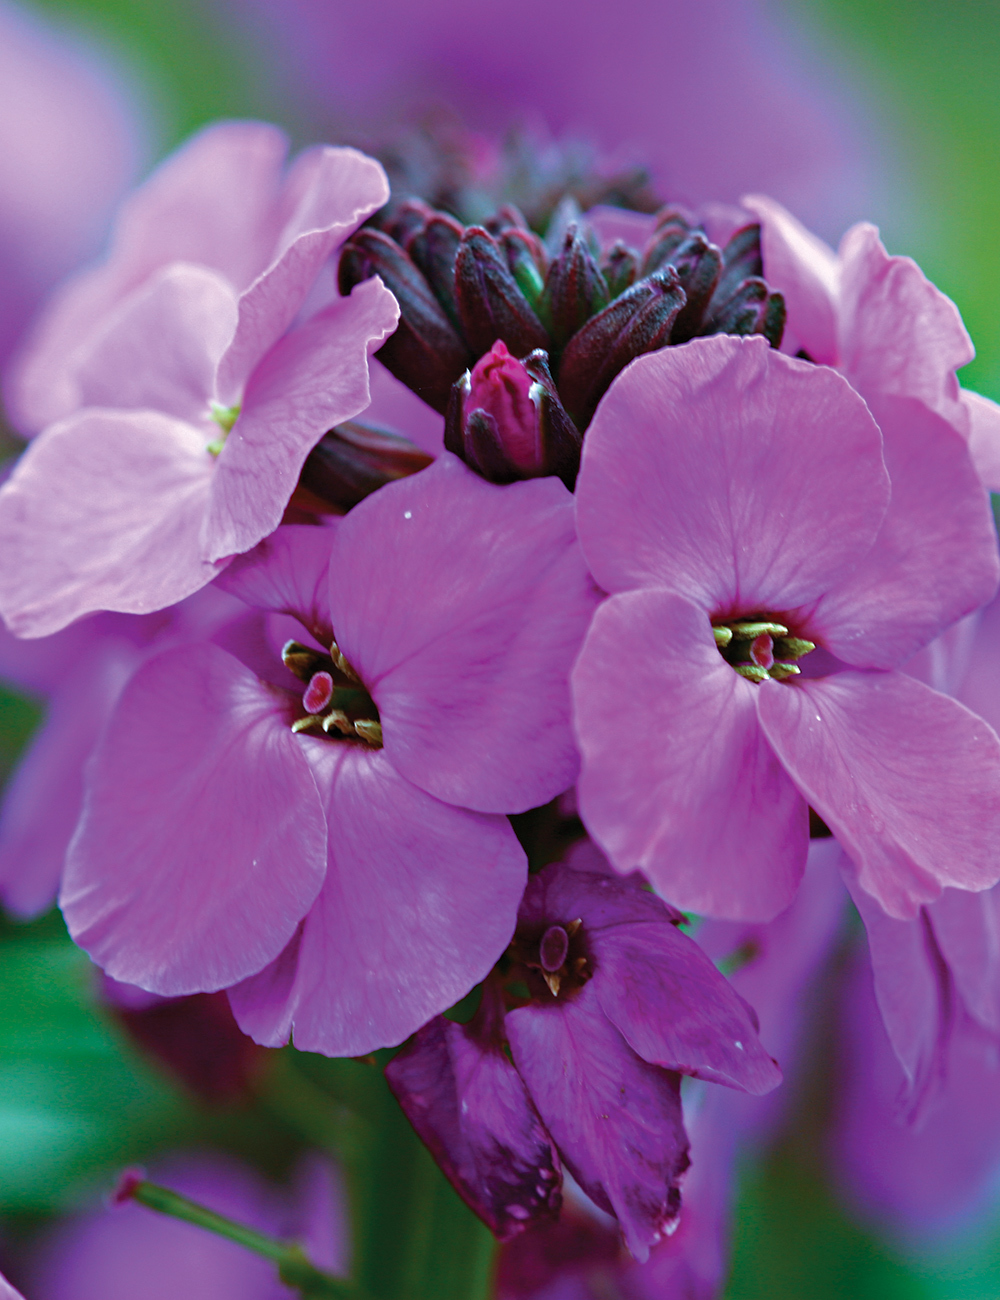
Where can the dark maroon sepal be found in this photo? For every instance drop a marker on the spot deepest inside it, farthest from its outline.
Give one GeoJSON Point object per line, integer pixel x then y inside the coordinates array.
{"type": "Point", "coordinates": [433, 249]}
{"type": "Point", "coordinates": [698, 264]}
{"type": "Point", "coordinates": [528, 261]}
{"type": "Point", "coordinates": [741, 260]}
{"type": "Point", "coordinates": [638, 321]}
{"type": "Point", "coordinates": [574, 291]}
{"type": "Point", "coordinates": [620, 267]}
{"type": "Point", "coordinates": [752, 309]}
{"type": "Point", "coordinates": [491, 305]}
{"type": "Point", "coordinates": [350, 462]}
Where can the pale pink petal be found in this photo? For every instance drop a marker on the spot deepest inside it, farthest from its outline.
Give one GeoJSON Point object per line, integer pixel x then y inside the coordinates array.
{"type": "Point", "coordinates": [160, 346]}
{"type": "Point", "coordinates": [203, 839]}
{"type": "Point", "coordinates": [739, 477]}
{"type": "Point", "coordinates": [677, 778]}
{"type": "Point", "coordinates": [312, 379]}
{"type": "Point", "coordinates": [898, 333]}
{"type": "Point", "coordinates": [328, 192]}
{"type": "Point", "coordinates": [984, 437]}
{"type": "Point", "coordinates": [103, 511]}
{"type": "Point", "coordinates": [288, 573]}
{"type": "Point", "coordinates": [7, 1292]}
{"type": "Point", "coordinates": [398, 409]}
{"type": "Point", "coordinates": [799, 265]}
{"type": "Point", "coordinates": [610, 224]}
{"type": "Point", "coordinates": [420, 900]}
{"type": "Point", "coordinates": [211, 202]}
{"type": "Point", "coordinates": [462, 604]}
{"type": "Point", "coordinates": [935, 558]}
{"type": "Point", "coordinates": [907, 780]}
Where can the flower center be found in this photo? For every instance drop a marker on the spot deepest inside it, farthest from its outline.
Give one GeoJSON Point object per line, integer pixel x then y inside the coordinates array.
{"type": "Point", "coordinates": [760, 647]}
{"type": "Point", "coordinates": [558, 958]}
{"type": "Point", "coordinates": [225, 417]}
{"type": "Point", "coordinates": [335, 701]}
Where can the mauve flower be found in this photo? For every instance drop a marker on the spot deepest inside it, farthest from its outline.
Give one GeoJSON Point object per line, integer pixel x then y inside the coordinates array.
{"type": "Point", "coordinates": [128, 1252]}
{"type": "Point", "coordinates": [70, 142]}
{"type": "Point", "coordinates": [341, 852]}
{"type": "Point", "coordinates": [723, 486]}
{"type": "Point", "coordinates": [612, 1003]}
{"type": "Point", "coordinates": [7, 1292]}
{"type": "Point", "coordinates": [133, 496]}
{"type": "Point", "coordinates": [879, 320]}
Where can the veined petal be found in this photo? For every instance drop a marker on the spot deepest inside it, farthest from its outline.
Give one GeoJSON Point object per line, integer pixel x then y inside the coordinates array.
{"type": "Point", "coordinates": [203, 840]}
{"type": "Point", "coordinates": [419, 901]}
{"type": "Point", "coordinates": [311, 380]}
{"type": "Point", "coordinates": [103, 511]}
{"type": "Point", "coordinates": [677, 778]}
{"type": "Point", "coordinates": [288, 573]}
{"type": "Point", "coordinates": [741, 478]}
{"type": "Point", "coordinates": [908, 780]}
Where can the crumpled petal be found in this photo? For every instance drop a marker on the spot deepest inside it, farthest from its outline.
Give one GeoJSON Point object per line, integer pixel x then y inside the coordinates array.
{"type": "Point", "coordinates": [470, 1108]}
{"type": "Point", "coordinates": [677, 778]}
{"type": "Point", "coordinates": [311, 380]}
{"type": "Point", "coordinates": [327, 193]}
{"type": "Point", "coordinates": [288, 573]}
{"type": "Point", "coordinates": [898, 333]}
{"type": "Point", "coordinates": [804, 269]}
{"type": "Point", "coordinates": [674, 1008]}
{"type": "Point", "coordinates": [935, 558]}
{"type": "Point", "coordinates": [984, 437]}
{"type": "Point", "coordinates": [615, 1120]}
{"type": "Point", "coordinates": [203, 839]}
{"type": "Point", "coordinates": [462, 605]}
{"type": "Point", "coordinates": [419, 901]}
{"type": "Point", "coordinates": [103, 512]}
{"type": "Point", "coordinates": [908, 780]}
{"type": "Point", "coordinates": [741, 478]}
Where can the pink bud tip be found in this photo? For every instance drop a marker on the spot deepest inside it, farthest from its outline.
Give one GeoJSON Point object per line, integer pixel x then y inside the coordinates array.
{"type": "Point", "coordinates": [500, 386]}
{"type": "Point", "coordinates": [127, 1183]}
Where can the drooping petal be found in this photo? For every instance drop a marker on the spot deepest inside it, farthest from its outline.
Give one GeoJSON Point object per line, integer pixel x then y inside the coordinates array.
{"type": "Point", "coordinates": [677, 778]}
{"type": "Point", "coordinates": [288, 573]}
{"type": "Point", "coordinates": [908, 780]}
{"type": "Point", "coordinates": [566, 890]}
{"type": "Point", "coordinates": [327, 193]}
{"type": "Point", "coordinates": [675, 1009]}
{"type": "Point", "coordinates": [209, 203]}
{"type": "Point", "coordinates": [203, 838]}
{"type": "Point", "coordinates": [898, 333]}
{"type": "Point", "coordinates": [103, 512]}
{"type": "Point", "coordinates": [935, 558]}
{"type": "Point", "coordinates": [984, 437]}
{"type": "Point", "coordinates": [159, 348]}
{"type": "Point", "coordinates": [470, 1108]}
{"type": "Point", "coordinates": [616, 1121]}
{"type": "Point", "coordinates": [804, 269]}
{"type": "Point", "coordinates": [739, 477]}
{"type": "Point", "coordinates": [462, 605]}
{"type": "Point", "coordinates": [967, 929]}
{"type": "Point", "coordinates": [311, 380]}
{"type": "Point", "coordinates": [419, 901]}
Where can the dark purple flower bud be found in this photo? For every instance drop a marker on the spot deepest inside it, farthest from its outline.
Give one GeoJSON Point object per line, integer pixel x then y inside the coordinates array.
{"type": "Point", "coordinates": [753, 309]}
{"type": "Point", "coordinates": [741, 260]}
{"type": "Point", "coordinates": [405, 219]}
{"type": "Point", "coordinates": [670, 232]}
{"type": "Point", "coordinates": [506, 421]}
{"type": "Point", "coordinates": [620, 267]}
{"type": "Point", "coordinates": [469, 1106]}
{"type": "Point", "coordinates": [491, 305]}
{"type": "Point", "coordinates": [433, 248]}
{"type": "Point", "coordinates": [528, 261]}
{"type": "Point", "coordinates": [575, 289]}
{"type": "Point", "coordinates": [424, 353]}
{"type": "Point", "coordinates": [349, 463]}
{"type": "Point", "coordinates": [638, 321]}
{"type": "Point", "coordinates": [698, 264]}
{"type": "Point", "coordinates": [507, 215]}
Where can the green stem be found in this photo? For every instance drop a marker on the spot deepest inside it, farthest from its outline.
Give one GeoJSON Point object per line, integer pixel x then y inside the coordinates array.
{"type": "Point", "coordinates": [294, 1267]}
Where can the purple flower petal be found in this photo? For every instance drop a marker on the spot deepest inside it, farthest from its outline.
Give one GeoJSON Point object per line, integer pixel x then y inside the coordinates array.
{"type": "Point", "coordinates": [674, 1009]}
{"type": "Point", "coordinates": [615, 1120]}
{"type": "Point", "coordinates": [288, 573]}
{"type": "Point", "coordinates": [984, 438]}
{"type": "Point", "coordinates": [907, 780]}
{"type": "Point", "coordinates": [742, 479]}
{"type": "Point", "coordinates": [311, 380]}
{"type": "Point", "coordinates": [202, 842]}
{"type": "Point", "coordinates": [419, 901]}
{"type": "Point", "coordinates": [677, 777]}
{"type": "Point", "coordinates": [103, 512]}
{"type": "Point", "coordinates": [462, 605]}
{"type": "Point", "coordinates": [470, 1108]}
{"type": "Point", "coordinates": [967, 929]}
{"type": "Point", "coordinates": [564, 891]}
{"type": "Point", "coordinates": [935, 558]}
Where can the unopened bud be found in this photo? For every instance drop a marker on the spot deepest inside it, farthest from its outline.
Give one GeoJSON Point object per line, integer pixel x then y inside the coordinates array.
{"type": "Point", "coordinates": [350, 462]}
{"type": "Point", "coordinates": [433, 248]}
{"type": "Point", "coordinates": [741, 260]}
{"type": "Point", "coordinates": [406, 218]}
{"type": "Point", "coordinates": [506, 421]}
{"type": "Point", "coordinates": [698, 264]}
{"type": "Point", "coordinates": [671, 230]}
{"type": "Point", "coordinates": [528, 262]}
{"type": "Point", "coordinates": [620, 267]}
{"type": "Point", "coordinates": [753, 309]}
{"type": "Point", "coordinates": [575, 289]}
{"type": "Point", "coordinates": [491, 305]}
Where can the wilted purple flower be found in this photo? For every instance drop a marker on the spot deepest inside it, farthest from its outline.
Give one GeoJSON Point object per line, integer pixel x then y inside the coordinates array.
{"type": "Point", "coordinates": [177, 394]}
{"type": "Point", "coordinates": [340, 849]}
{"type": "Point", "coordinates": [735, 503]}
{"type": "Point", "coordinates": [612, 1003]}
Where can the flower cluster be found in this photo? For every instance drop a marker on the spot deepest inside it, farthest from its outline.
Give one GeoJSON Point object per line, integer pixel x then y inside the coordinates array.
{"type": "Point", "coordinates": [675, 598]}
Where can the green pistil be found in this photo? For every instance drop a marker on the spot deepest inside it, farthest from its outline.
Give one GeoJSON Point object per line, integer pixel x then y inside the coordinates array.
{"type": "Point", "coordinates": [225, 417]}
{"type": "Point", "coordinates": [760, 648]}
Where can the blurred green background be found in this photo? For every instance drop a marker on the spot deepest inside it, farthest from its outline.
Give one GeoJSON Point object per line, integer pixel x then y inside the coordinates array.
{"type": "Point", "coordinates": [75, 1098]}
